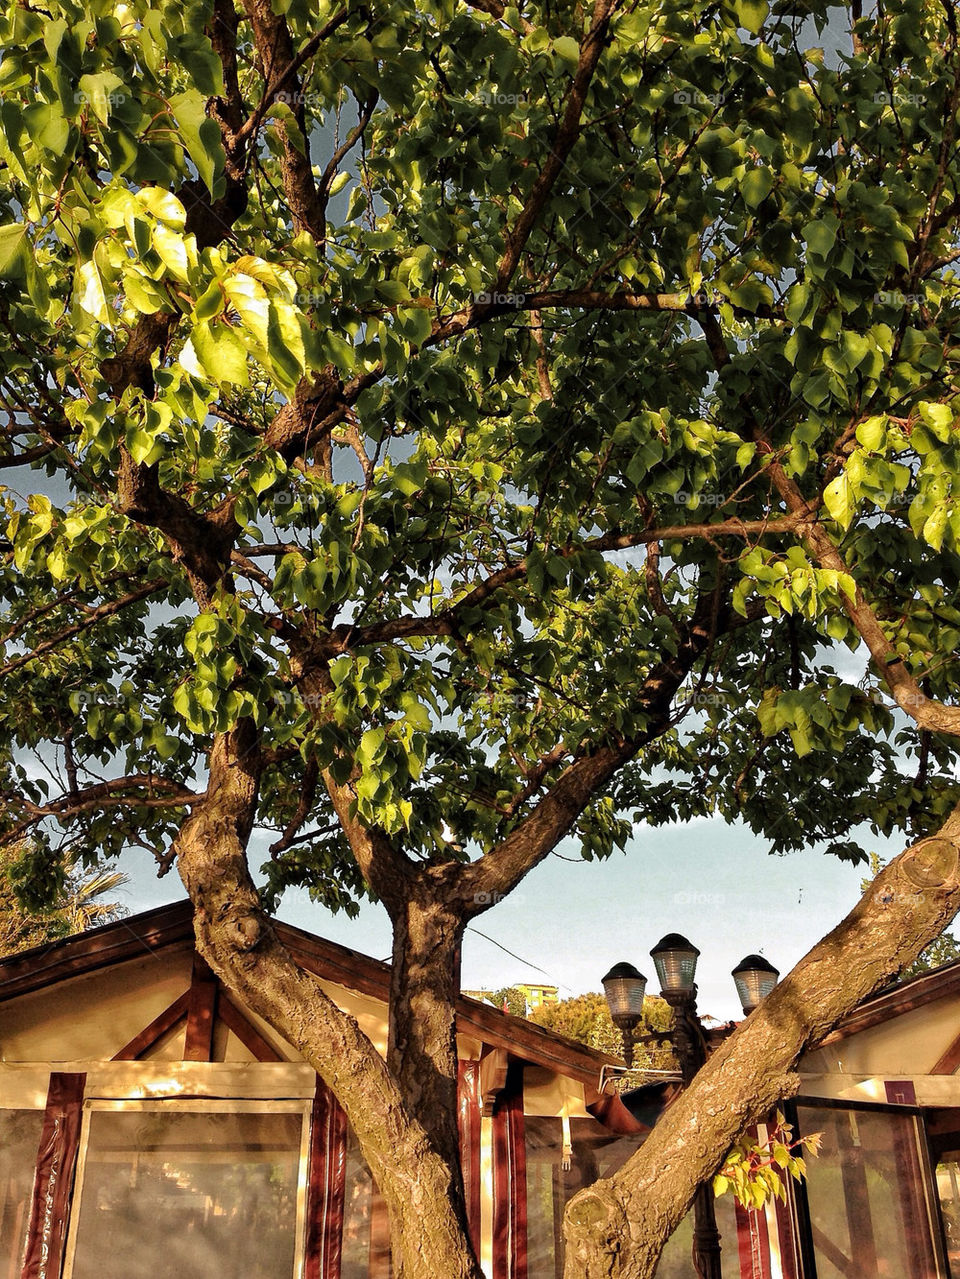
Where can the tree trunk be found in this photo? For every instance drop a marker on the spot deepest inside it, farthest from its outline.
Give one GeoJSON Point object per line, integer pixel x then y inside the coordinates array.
{"type": "Point", "coordinates": [616, 1229]}
{"type": "Point", "coordinates": [237, 939]}
{"type": "Point", "coordinates": [422, 1052]}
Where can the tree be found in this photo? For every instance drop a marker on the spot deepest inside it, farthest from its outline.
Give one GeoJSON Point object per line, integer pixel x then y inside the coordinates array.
{"type": "Point", "coordinates": [510, 1000]}
{"type": "Point", "coordinates": [438, 430]}
{"type": "Point", "coordinates": [586, 1018]}
{"type": "Point", "coordinates": [943, 950]}
{"type": "Point", "coordinates": [77, 905]}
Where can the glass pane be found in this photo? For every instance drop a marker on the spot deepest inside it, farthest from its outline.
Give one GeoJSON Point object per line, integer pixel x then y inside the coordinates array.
{"type": "Point", "coordinates": [366, 1231]}
{"type": "Point", "coordinates": [948, 1187]}
{"type": "Point", "coordinates": [173, 1194]}
{"type": "Point", "coordinates": [676, 1260]}
{"type": "Point", "coordinates": [868, 1210]}
{"type": "Point", "coordinates": [19, 1142]}
{"type": "Point", "coordinates": [596, 1153]}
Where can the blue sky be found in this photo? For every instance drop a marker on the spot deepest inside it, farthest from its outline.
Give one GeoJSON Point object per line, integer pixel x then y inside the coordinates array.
{"type": "Point", "coordinates": [712, 882]}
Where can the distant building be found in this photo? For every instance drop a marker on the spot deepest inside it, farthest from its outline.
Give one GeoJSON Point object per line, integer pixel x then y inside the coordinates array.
{"type": "Point", "coordinates": [535, 996]}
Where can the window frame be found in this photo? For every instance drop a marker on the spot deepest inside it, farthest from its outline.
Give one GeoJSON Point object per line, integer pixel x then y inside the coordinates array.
{"type": "Point", "coordinates": [195, 1105]}
{"type": "Point", "coordinates": [801, 1210]}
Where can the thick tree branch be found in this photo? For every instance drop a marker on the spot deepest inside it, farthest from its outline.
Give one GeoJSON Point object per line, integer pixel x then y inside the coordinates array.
{"type": "Point", "coordinates": [926, 712]}
{"type": "Point", "coordinates": [445, 622]}
{"type": "Point", "coordinates": [201, 543]}
{"type": "Point", "coordinates": [499, 871]}
{"type": "Point", "coordinates": [160, 793]}
{"type": "Point", "coordinates": [694, 305]}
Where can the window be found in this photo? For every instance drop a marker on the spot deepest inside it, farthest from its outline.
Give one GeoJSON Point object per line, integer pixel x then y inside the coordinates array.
{"type": "Point", "coordinates": [676, 1260]}
{"type": "Point", "coordinates": [867, 1196]}
{"type": "Point", "coordinates": [366, 1230]}
{"type": "Point", "coordinates": [597, 1153]}
{"type": "Point", "coordinates": [188, 1189]}
{"type": "Point", "coordinates": [19, 1142]}
{"type": "Point", "coordinates": [948, 1187]}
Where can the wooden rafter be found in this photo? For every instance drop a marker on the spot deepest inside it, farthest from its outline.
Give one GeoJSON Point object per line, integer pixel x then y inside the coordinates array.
{"type": "Point", "coordinates": [141, 1043]}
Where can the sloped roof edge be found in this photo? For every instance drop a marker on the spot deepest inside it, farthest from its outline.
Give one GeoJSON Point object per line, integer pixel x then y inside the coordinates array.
{"type": "Point", "coordinates": [167, 926]}
{"type": "Point", "coordinates": [894, 1001]}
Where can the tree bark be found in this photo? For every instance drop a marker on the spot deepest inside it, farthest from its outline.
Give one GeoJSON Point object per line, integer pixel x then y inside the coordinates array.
{"type": "Point", "coordinates": [422, 1050]}
{"type": "Point", "coordinates": [616, 1229]}
{"type": "Point", "coordinates": [237, 939]}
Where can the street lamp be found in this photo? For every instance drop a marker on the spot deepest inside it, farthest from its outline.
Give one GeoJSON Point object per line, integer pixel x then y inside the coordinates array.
{"type": "Point", "coordinates": [624, 989]}
{"type": "Point", "coordinates": [675, 959]}
{"type": "Point", "coordinates": [755, 978]}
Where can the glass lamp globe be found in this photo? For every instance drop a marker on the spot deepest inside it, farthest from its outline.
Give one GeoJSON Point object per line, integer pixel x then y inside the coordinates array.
{"type": "Point", "coordinates": [755, 978]}
{"type": "Point", "coordinates": [676, 962]}
{"type": "Point", "coordinates": [624, 989]}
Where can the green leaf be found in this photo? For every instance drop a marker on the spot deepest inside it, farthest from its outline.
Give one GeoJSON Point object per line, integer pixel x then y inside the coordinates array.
{"type": "Point", "coordinates": [568, 49]}
{"type": "Point", "coordinates": [757, 185]}
{"type": "Point", "coordinates": [12, 241]}
{"type": "Point", "coordinates": [201, 137]}
{"type": "Point", "coordinates": [838, 500]}
{"type": "Point", "coordinates": [752, 14]}
{"type": "Point", "coordinates": [820, 237]}
{"type": "Point", "coordinates": [91, 295]}
{"type": "Point", "coordinates": [216, 354]}
{"type": "Point", "coordinates": [172, 250]}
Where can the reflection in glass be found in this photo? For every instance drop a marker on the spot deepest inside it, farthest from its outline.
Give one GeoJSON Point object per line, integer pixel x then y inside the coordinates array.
{"type": "Point", "coordinates": [868, 1208]}
{"type": "Point", "coordinates": [366, 1232]}
{"type": "Point", "coordinates": [173, 1194]}
{"type": "Point", "coordinates": [19, 1142]}
{"type": "Point", "coordinates": [948, 1187]}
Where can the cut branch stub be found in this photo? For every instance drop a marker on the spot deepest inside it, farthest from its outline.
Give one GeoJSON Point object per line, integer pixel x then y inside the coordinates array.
{"type": "Point", "coordinates": [595, 1228]}
{"type": "Point", "coordinates": [932, 863]}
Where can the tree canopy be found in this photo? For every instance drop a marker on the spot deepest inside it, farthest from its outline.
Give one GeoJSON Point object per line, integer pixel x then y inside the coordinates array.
{"type": "Point", "coordinates": [490, 519]}
{"type": "Point", "coordinates": [433, 430]}
{"type": "Point", "coordinates": [77, 905]}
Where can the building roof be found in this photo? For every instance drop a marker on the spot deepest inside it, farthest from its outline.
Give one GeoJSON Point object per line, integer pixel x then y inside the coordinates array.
{"type": "Point", "coordinates": [172, 925]}
{"type": "Point", "coordinates": [901, 998]}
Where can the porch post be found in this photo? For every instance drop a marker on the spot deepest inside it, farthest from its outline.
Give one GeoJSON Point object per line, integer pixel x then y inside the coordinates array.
{"type": "Point", "coordinates": [53, 1186]}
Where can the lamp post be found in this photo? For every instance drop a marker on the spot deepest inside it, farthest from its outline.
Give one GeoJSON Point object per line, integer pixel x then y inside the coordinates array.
{"type": "Point", "coordinates": [675, 960]}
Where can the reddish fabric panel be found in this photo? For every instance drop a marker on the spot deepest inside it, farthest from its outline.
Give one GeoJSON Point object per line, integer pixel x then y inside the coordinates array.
{"type": "Point", "coordinates": [510, 1181]}
{"type": "Point", "coordinates": [328, 1144]}
{"type": "Point", "coordinates": [636, 1111]}
{"type": "Point", "coordinates": [468, 1117]}
{"type": "Point", "coordinates": [753, 1243]}
{"type": "Point", "coordinates": [910, 1180]}
{"type": "Point", "coordinates": [56, 1164]}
